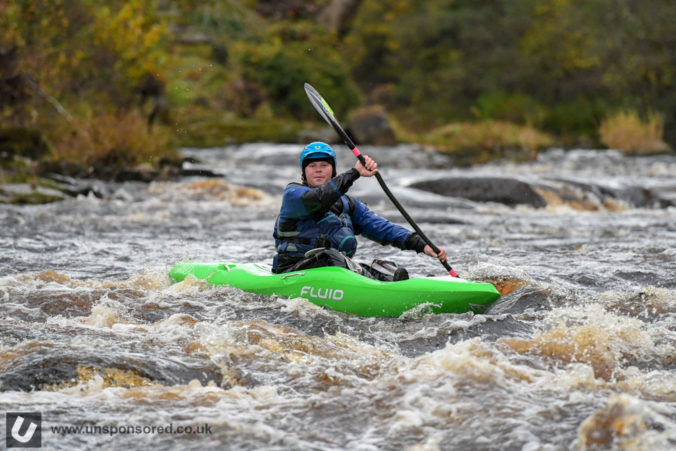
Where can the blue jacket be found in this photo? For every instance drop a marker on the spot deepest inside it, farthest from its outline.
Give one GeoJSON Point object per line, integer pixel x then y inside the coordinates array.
{"type": "Point", "coordinates": [326, 217]}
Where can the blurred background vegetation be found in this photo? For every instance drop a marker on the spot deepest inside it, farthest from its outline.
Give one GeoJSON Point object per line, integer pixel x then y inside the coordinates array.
{"type": "Point", "coordinates": [102, 83]}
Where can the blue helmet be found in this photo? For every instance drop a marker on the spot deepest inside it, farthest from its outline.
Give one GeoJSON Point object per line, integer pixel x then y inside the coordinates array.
{"type": "Point", "coordinates": [317, 150]}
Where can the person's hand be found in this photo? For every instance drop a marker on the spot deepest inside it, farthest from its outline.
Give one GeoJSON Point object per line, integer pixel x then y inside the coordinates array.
{"type": "Point", "coordinates": [441, 255]}
{"type": "Point", "coordinates": [370, 169]}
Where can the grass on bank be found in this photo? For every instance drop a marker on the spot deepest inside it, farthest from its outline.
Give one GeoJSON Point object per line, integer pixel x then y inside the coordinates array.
{"type": "Point", "coordinates": [480, 142]}
{"type": "Point", "coordinates": [628, 132]}
{"type": "Point", "coordinates": [112, 140]}
{"type": "Point", "coordinates": [196, 127]}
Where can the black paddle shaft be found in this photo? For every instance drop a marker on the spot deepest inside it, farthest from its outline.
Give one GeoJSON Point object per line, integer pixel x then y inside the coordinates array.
{"type": "Point", "coordinates": [326, 113]}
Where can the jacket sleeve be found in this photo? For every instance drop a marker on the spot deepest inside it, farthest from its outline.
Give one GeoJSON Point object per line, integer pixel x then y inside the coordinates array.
{"type": "Point", "coordinates": [378, 229]}
{"type": "Point", "coordinates": [316, 202]}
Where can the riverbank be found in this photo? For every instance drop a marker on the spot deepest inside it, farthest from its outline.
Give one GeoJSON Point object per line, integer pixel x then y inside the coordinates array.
{"type": "Point", "coordinates": [34, 170]}
{"type": "Point", "coordinates": [123, 148]}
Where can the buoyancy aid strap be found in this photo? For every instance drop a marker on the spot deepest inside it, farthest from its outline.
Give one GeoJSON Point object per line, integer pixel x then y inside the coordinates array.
{"type": "Point", "coordinates": [289, 234]}
{"type": "Point", "coordinates": [319, 242]}
{"type": "Point", "coordinates": [346, 206]}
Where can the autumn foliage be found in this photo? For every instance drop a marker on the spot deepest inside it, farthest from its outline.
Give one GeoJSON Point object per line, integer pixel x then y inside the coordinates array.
{"type": "Point", "coordinates": [470, 76]}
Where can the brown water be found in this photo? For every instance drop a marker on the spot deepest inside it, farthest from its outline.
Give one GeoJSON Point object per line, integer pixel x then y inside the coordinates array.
{"type": "Point", "coordinates": [578, 354]}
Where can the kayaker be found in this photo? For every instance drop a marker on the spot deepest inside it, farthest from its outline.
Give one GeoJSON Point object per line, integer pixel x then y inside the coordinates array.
{"type": "Point", "coordinates": [318, 221]}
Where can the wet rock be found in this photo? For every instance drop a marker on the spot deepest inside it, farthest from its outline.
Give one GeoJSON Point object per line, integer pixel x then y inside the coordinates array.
{"type": "Point", "coordinates": [485, 189]}
{"type": "Point", "coordinates": [199, 172]}
{"type": "Point", "coordinates": [369, 125]}
{"type": "Point", "coordinates": [193, 167]}
{"type": "Point", "coordinates": [68, 179]}
{"type": "Point", "coordinates": [620, 424]}
{"type": "Point", "coordinates": [647, 305]}
{"type": "Point", "coordinates": [664, 196]}
{"type": "Point", "coordinates": [140, 173]}
{"type": "Point", "coordinates": [613, 197]}
{"type": "Point", "coordinates": [633, 195]}
{"type": "Point", "coordinates": [46, 368]}
{"type": "Point", "coordinates": [28, 375]}
{"type": "Point", "coordinates": [521, 300]}
{"type": "Point", "coordinates": [643, 278]}
{"type": "Point", "coordinates": [577, 195]}
{"type": "Point", "coordinates": [79, 187]}
{"type": "Point", "coordinates": [489, 328]}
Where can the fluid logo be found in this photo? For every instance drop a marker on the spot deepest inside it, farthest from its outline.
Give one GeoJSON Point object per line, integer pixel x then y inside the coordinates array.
{"type": "Point", "coordinates": [322, 293]}
{"type": "Point", "coordinates": [23, 429]}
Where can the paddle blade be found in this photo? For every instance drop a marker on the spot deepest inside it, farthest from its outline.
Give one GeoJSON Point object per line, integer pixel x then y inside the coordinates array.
{"type": "Point", "coordinates": [326, 113]}
{"type": "Point", "coordinates": [320, 104]}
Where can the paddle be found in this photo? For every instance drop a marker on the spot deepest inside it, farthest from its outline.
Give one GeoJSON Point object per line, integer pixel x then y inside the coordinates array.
{"type": "Point", "coordinates": [326, 113]}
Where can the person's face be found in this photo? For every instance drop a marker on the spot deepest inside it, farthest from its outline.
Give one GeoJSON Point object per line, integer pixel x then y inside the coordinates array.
{"type": "Point", "coordinates": [317, 173]}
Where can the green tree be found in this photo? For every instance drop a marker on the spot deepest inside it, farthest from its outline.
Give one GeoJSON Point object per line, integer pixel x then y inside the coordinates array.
{"type": "Point", "coordinates": [562, 64]}
{"type": "Point", "coordinates": [289, 56]}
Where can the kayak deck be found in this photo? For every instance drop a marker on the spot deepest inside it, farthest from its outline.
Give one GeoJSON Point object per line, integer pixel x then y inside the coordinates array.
{"type": "Point", "coordinates": [345, 291]}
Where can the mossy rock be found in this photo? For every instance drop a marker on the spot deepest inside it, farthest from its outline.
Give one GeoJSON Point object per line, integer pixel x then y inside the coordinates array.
{"type": "Point", "coordinates": [28, 194]}
{"type": "Point", "coordinates": [370, 125]}
{"type": "Point", "coordinates": [23, 142]}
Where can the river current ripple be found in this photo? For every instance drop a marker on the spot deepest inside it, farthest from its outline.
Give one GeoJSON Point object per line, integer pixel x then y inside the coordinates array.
{"type": "Point", "coordinates": [578, 353]}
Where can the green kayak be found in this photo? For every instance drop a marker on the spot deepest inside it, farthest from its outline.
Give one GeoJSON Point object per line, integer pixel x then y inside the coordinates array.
{"type": "Point", "coordinates": [343, 290]}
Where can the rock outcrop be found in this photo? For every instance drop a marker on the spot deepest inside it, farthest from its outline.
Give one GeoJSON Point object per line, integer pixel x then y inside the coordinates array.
{"type": "Point", "coordinates": [369, 125]}
{"type": "Point", "coordinates": [550, 193]}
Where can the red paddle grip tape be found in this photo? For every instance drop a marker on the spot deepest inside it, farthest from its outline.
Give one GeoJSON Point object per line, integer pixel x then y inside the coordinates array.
{"type": "Point", "coordinates": [356, 152]}
{"type": "Point", "coordinates": [453, 273]}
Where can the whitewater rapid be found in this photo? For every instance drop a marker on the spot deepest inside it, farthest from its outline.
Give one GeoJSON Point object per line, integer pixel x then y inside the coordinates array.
{"type": "Point", "coordinates": [578, 353]}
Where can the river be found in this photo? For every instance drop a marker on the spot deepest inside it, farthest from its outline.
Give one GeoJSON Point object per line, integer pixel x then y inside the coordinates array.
{"type": "Point", "coordinates": [578, 353]}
